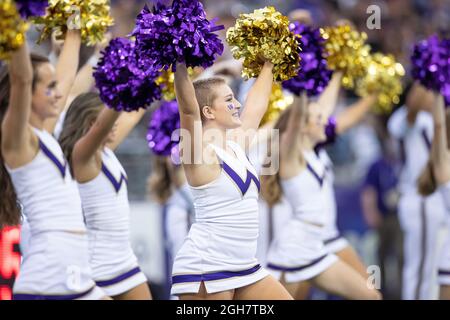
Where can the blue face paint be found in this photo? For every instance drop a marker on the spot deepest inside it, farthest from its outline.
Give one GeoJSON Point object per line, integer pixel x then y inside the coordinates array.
{"type": "Point", "coordinates": [230, 106]}
{"type": "Point", "coordinates": [48, 92]}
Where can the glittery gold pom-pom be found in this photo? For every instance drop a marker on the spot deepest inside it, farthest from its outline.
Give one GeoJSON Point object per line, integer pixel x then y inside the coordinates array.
{"type": "Point", "coordinates": [265, 34]}
{"type": "Point", "coordinates": [277, 103]}
{"type": "Point", "coordinates": [347, 51]}
{"type": "Point", "coordinates": [91, 16]}
{"type": "Point", "coordinates": [12, 29]}
{"type": "Point", "coordinates": [383, 76]}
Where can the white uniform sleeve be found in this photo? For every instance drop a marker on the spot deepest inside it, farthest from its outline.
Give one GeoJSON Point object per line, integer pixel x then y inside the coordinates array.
{"type": "Point", "coordinates": [398, 123]}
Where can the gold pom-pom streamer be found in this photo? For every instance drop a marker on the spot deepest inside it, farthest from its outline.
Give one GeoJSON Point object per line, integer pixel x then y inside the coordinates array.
{"type": "Point", "coordinates": [278, 102]}
{"type": "Point", "coordinates": [383, 76]}
{"type": "Point", "coordinates": [265, 33]}
{"type": "Point", "coordinates": [347, 51]}
{"type": "Point", "coordinates": [12, 29]}
{"type": "Point", "coordinates": [91, 16]}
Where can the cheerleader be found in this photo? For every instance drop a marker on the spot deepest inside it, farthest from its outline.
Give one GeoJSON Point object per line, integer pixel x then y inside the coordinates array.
{"type": "Point", "coordinates": [33, 169]}
{"type": "Point", "coordinates": [217, 259]}
{"type": "Point", "coordinates": [298, 252]}
{"type": "Point", "coordinates": [88, 139]}
{"type": "Point", "coordinates": [420, 217]}
{"type": "Point", "coordinates": [437, 175]}
{"type": "Point", "coordinates": [169, 188]}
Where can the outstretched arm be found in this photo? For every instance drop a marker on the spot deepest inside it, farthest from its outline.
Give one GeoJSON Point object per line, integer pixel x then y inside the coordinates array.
{"type": "Point", "coordinates": [16, 133]}
{"type": "Point", "coordinates": [85, 149]}
{"type": "Point", "coordinates": [258, 99]}
{"type": "Point", "coordinates": [66, 71]}
{"type": "Point", "coordinates": [440, 153]}
{"type": "Point", "coordinates": [289, 140]}
{"type": "Point", "coordinates": [329, 96]}
{"type": "Point", "coordinates": [126, 122]}
{"type": "Point", "coordinates": [354, 113]}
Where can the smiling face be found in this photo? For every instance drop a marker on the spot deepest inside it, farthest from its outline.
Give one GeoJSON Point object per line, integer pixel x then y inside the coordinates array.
{"type": "Point", "coordinates": [225, 108]}
{"type": "Point", "coordinates": [45, 92]}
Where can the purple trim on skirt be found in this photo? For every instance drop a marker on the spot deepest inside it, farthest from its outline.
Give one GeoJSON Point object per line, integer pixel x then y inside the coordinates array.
{"type": "Point", "coordinates": [25, 296]}
{"type": "Point", "coordinates": [213, 276]}
{"type": "Point", "coordinates": [120, 278]}
{"type": "Point", "coordinates": [294, 269]}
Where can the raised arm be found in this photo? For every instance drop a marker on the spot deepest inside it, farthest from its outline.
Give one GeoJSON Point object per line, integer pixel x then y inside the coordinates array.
{"type": "Point", "coordinates": [290, 138]}
{"type": "Point", "coordinates": [440, 153]}
{"type": "Point", "coordinates": [126, 122]}
{"type": "Point", "coordinates": [354, 113]}
{"type": "Point", "coordinates": [328, 99]}
{"type": "Point", "coordinates": [66, 71]}
{"type": "Point", "coordinates": [16, 132]}
{"type": "Point", "coordinates": [258, 99]}
{"type": "Point", "coordinates": [85, 149]}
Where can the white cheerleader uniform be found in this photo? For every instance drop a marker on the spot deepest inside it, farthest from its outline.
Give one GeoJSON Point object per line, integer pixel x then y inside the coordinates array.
{"type": "Point", "coordinates": [298, 250]}
{"type": "Point", "coordinates": [421, 218]}
{"type": "Point", "coordinates": [220, 249]}
{"type": "Point", "coordinates": [106, 212]}
{"type": "Point", "coordinates": [332, 239]}
{"type": "Point", "coordinates": [445, 191]}
{"type": "Point", "coordinates": [55, 265]}
{"type": "Point", "coordinates": [178, 215]}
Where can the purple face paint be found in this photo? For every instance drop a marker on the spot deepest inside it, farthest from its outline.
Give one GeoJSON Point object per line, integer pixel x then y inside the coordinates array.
{"type": "Point", "coordinates": [230, 106]}
{"type": "Point", "coordinates": [48, 92]}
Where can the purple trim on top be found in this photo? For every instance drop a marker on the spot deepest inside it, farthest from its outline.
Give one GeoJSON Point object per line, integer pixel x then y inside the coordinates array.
{"type": "Point", "coordinates": [116, 184]}
{"type": "Point", "coordinates": [26, 296]}
{"type": "Point", "coordinates": [315, 174]}
{"type": "Point", "coordinates": [243, 186]}
{"type": "Point", "coordinates": [213, 276]}
{"type": "Point", "coordinates": [294, 269]}
{"type": "Point", "coordinates": [402, 151]}
{"type": "Point", "coordinates": [118, 279]}
{"type": "Point", "coordinates": [61, 167]}
{"type": "Point", "coordinates": [444, 272]}
{"type": "Point", "coordinates": [332, 239]}
{"type": "Point", "coordinates": [425, 138]}
{"type": "Point", "coordinates": [330, 132]}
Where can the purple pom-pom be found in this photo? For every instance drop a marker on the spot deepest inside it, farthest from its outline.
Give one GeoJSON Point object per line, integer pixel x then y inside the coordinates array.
{"type": "Point", "coordinates": [177, 33]}
{"type": "Point", "coordinates": [125, 80]}
{"type": "Point", "coordinates": [163, 123]}
{"type": "Point", "coordinates": [31, 8]}
{"type": "Point", "coordinates": [314, 74]}
{"type": "Point", "coordinates": [431, 65]}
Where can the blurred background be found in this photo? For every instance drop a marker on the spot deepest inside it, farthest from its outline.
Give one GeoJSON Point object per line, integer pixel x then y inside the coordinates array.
{"type": "Point", "coordinates": [354, 154]}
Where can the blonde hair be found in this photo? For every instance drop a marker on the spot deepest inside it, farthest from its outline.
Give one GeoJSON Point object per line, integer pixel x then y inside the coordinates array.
{"type": "Point", "coordinates": [159, 183]}
{"type": "Point", "coordinates": [271, 189]}
{"type": "Point", "coordinates": [204, 92]}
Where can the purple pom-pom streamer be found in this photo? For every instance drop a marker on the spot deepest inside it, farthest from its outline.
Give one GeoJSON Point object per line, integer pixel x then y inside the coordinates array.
{"type": "Point", "coordinates": [314, 75]}
{"type": "Point", "coordinates": [126, 82]}
{"type": "Point", "coordinates": [31, 8]}
{"type": "Point", "coordinates": [180, 33]}
{"type": "Point", "coordinates": [431, 65]}
{"type": "Point", "coordinates": [163, 124]}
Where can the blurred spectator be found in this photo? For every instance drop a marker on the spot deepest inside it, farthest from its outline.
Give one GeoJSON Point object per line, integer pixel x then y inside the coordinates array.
{"type": "Point", "coordinates": [379, 202]}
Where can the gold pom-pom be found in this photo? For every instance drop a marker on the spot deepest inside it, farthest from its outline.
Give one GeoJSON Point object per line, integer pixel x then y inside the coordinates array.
{"type": "Point", "coordinates": [383, 76]}
{"type": "Point", "coordinates": [265, 34]}
{"type": "Point", "coordinates": [91, 16]}
{"type": "Point", "coordinates": [278, 102]}
{"type": "Point", "coordinates": [166, 81]}
{"type": "Point", "coordinates": [12, 29]}
{"type": "Point", "coordinates": [347, 51]}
